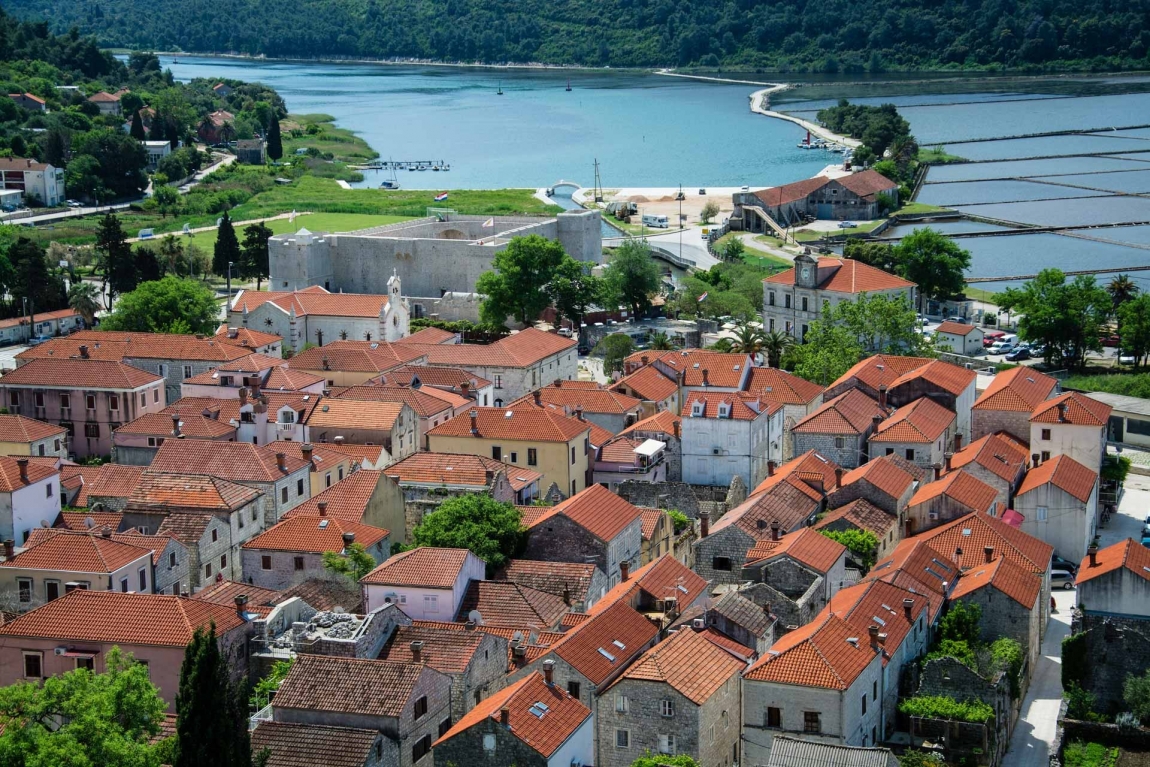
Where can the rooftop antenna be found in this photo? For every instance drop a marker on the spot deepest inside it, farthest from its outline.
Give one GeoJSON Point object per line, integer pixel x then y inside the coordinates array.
{"type": "Point", "coordinates": [598, 183]}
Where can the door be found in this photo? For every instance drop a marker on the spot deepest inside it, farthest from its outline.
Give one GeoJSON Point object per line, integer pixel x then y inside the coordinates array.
{"type": "Point", "coordinates": [825, 210]}
{"type": "Point", "coordinates": [1116, 428]}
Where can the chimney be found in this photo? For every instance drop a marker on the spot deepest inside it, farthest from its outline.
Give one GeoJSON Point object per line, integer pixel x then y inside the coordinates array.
{"type": "Point", "coordinates": [579, 412]}
{"type": "Point", "coordinates": [706, 377]}
{"type": "Point", "coordinates": [549, 672]}
{"type": "Point", "coordinates": [558, 383]}
{"type": "Point", "coordinates": [83, 351]}
{"type": "Point", "coordinates": [417, 651]}
{"type": "Point", "coordinates": [882, 640]}
{"type": "Point", "coordinates": [281, 461]}
{"type": "Point", "coordinates": [243, 396]}
{"type": "Point", "coordinates": [505, 716]}
{"type": "Point", "coordinates": [519, 652]}
{"type": "Point", "coordinates": [882, 396]}
{"type": "Point", "coordinates": [1061, 412]}
{"type": "Point", "coordinates": [948, 457]}
{"type": "Point", "coordinates": [1035, 460]}
{"type": "Point", "coordinates": [183, 593]}
{"type": "Point", "coordinates": [566, 595]}
{"type": "Point", "coordinates": [908, 609]}
{"type": "Point", "coordinates": [873, 631]}
{"type": "Point", "coordinates": [322, 506]}
{"type": "Point", "coordinates": [645, 360]}
{"type": "Point", "coordinates": [9, 548]}
{"type": "Point", "coordinates": [241, 603]}
{"type": "Point", "coordinates": [1091, 552]}
{"type": "Point", "coordinates": [348, 538]}
{"type": "Point", "coordinates": [255, 391]}
{"type": "Point", "coordinates": [538, 396]}
{"type": "Point", "coordinates": [704, 524]}
{"type": "Point", "coordinates": [957, 441]}
{"type": "Point", "coordinates": [774, 530]}
{"type": "Point", "coordinates": [935, 468]}
{"type": "Point", "coordinates": [838, 476]}
{"type": "Point", "coordinates": [624, 570]}
{"type": "Point", "coordinates": [474, 422]}
{"type": "Point", "coordinates": [23, 464]}
{"type": "Point", "coordinates": [958, 556]}
{"type": "Point", "coordinates": [770, 468]}
{"type": "Point", "coordinates": [465, 388]}
{"type": "Point", "coordinates": [988, 553]}
{"type": "Point", "coordinates": [326, 364]}
{"type": "Point", "coordinates": [306, 450]}
{"type": "Point", "coordinates": [176, 424]}
{"type": "Point", "coordinates": [876, 419]}
{"type": "Point", "coordinates": [105, 532]}
{"type": "Point", "coordinates": [677, 427]}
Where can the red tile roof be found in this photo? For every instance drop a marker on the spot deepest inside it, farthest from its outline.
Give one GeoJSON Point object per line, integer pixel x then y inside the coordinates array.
{"type": "Point", "coordinates": [375, 455]}
{"type": "Point", "coordinates": [955, 328]}
{"type": "Point", "coordinates": [663, 578]}
{"type": "Point", "coordinates": [1019, 584]}
{"type": "Point", "coordinates": [429, 336]}
{"type": "Point", "coordinates": [960, 487]}
{"type": "Point", "coordinates": [778, 385]}
{"type": "Point", "coordinates": [597, 510]}
{"type": "Point", "coordinates": [1126, 554]}
{"type": "Point", "coordinates": [112, 480]}
{"type": "Point", "coordinates": [523, 349]}
{"type": "Point", "coordinates": [867, 183]}
{"type": "Point", "coordinates": [561, 394]}
{"type": "Point", "coordinates": [949, 377]}
{"type": "Point", "coordinates": [200, 492]}
{"type": "Point", "coordinates": [807, 546]}
{"type": "Point", "coordinates": [852, 412]}
{"type": "Point", "coordinates": [350, 413]}
{"type": "Point", "coordinates": [346, 500]}
{"type": "Point", "coordinates": [740, 406]}
{"type": "Point", "coordinates": [724, 371]}
{"type": "Point", "coordinates": [651, 519]}
{"type": "Point", "coordinates": [663, 422]}
{"type": "Point", "coordinates": [81, 552]}
{"type": "Point", "coordinates": [354, 356]}
{"type": "Point", "coordinates": [689, 663]}
{"type": "Point", "coordinates": [78, 520]}
{"type": "Point", "coordinates": [17, 428]}
{"type": "Point", "coordinates": [922, 421]}
{"type": "Point", "coordinates": [119, 345]}
{"type": "Point", "coordinates": [806, 472]}
{"type": "Point", "coordinates": [816, 655]}
{"type": "Point", "coordinates": [314, 300]}
{"type": "Point", "coordinates": [315, 535]}
{"type": "Point", "coordinates": [502, 603]}
{"type": "Point", "coordinates": [1072, 408]}
{"type": "Point", "coordinates": [444, 650]}
{"type": "Point", "coordinates": [1066, 474]}
{"type": "Point", "coordinates": [297, 745]}
{"type": "Point", "coordinates": [600, 647]}
{"type": "Point", "coordinates": [880, 369]}
{"type": "Point", "coordinates": [797, 190]}
{"type": "Point", "coordinates": [973, 532]}
{"type": "Point", "coordinates": [1018, 389]}
{"type": "Point", "coordinates": [432, 568]}
{"type": "Point", "coordinates": [998, 453]}
{"type": "Point", "coordinates": [439, 377]}
{"type": "Point", "coordinates": [916, 565]}
{"type": "Point", "coordinates": [620, 450]}
{"type": "Point", "coordinates": [261, 601]}
{"type": "Point", "coordinates": [228, 409]}
{"type": "Point", "coordinates": [236, 461]}
{"type": "Point", "coordinates": [11, 479]}
{"type": "Point", "coordinates": [101, 375]}
{"type": "Point", "coordinates": [787, 504]}
{"type": "Point", "coordinates": [191, 425]}
{"type": "Point", "coordinates": [111, 617]}
{"type": "Point", "coordinates": [544, 732]}
{"type": "Point", "coordinates": [848, 276]}
{"type": "Point", "coordinates": [528, 424]}
{"type": "Point", "coordinates": [424, 404]}
{"type": "Point", "coordinates": [648, 384]}
{"type": "Point", "coordinates": [245, 337]}
{"type": "Point", "coordinates": [553, 577]}
{"type": "Point", "coordinates": [357, 686]}
{"type": "Point", "coordinates": [154, 543]}
{"type": "Point", "coordinates": [458, 469]}
{"type": "Point", "coordinates": [862, 514]}
{"type": "Point", "coordinates": [882, 473]}
{"type": "Point", "coordinates": [285, 379]}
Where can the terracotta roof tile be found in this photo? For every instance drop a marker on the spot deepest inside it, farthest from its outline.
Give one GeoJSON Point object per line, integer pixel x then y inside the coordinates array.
{"type": "Point", "coordinates": [922, 421]}
{"type": "Point", "coordinates": [503, 603]}
{"type": "Point", "coordinates": [598, 436]}
{"type": "Point", "coordinates": [198, 492]}
{"type": "Point", "coordinates": [314, 535]}
{"type": "Point", "coordinates": [529, 346]}
{"type": "Point", "coordinates": [346, 413]}
{"type": "Point", "coordinates": [17, 428]}
{"type": "Point", "coordinates": [1018, 389]}
{"type": "Point", "coordinates": [648, 384]}
{"type": "Point", "coordinates": [689, 663]}
{"type": "Point", "coordinates": [523, 349]}
{"type": "Point", "coordinates": [1015, 582]}
{"type": "Point", "coordinates": [1126, 554]}
{"type": "Point", "coordinates": [236, 461]}
{"type": "Point", "coordinates": [851, 412]}
{"type": "Point", "coordinates": [119, 345]}
{"type": "Point", "coordinates": [862, 514]}
{"type": "Point", "coordinates": [601, 647]}
{"type": "Point", "coordinates": [591, 400]}
{"type": "Point", "coordinates": [998, 453]}
{"type": "Point", "coordinates": [1072, 408]}
{"type": "Point", "coordinates": [663, 422]}
{"type": "Point", "coordinates": [261, 601]}
{"type": "Point", "coordinates": [154, 543]}
{"type": "Point", "coordinates": [960, 487]}
{"type": "Point", "coordinates": [882, 473]}
{"type": "Point", "coordinates": [425, 405]}
{"type": "Point", "coordinates": [651, 519]}
{"type": "Point", "coordinates": [79, 374]}
{"type": "Point", "coordinates": [543, 733]}
{"type": "Point", "coordinates": [433, 568]}
{"type": "Point", "coordinates": [438, 376]}
{"type": "Point", "coordinates": [807, 546]}
{"type": "Point", "coordinates": [348, 685]}
{"type": "Point", "coordinates": [955, 328]}
{"type": "Point", "coordinates": [449, 652]}
{"type": "Point", "coordinates": [877, 603]}
{"type": "Point", "coordinates": [620, 450]}
{"type": "Point", "coordinates": [973, 532]}
{"type": "Point", "coordinates": [553, 577]}
{"type": "Point", "coordinates": [878, 370]}
{"type": "Point", "coordinates": [780, 386]}
{"type": "Point", "coordinates": [354, 356]}
{"type": "Point", "coordinates": [597, 510]}
{"type": "Point", "coordinates": [740, 406]}
{"type": "Point", "coordinates": [113, 480]}
{"type": "Point", "coordinates": [816, 655]}
{"type": "Point", "coordinates": [245, 337]}
{"type": "Point", "coordinates": [228, 409]}
{"type": "Point", "coordinates": [81, 552]}
{"type": "Point", "coordinates": [803, 471]}
{"type": "Point", "coordinates": [723, 370]}
{"type": "Point", "coordinates": [866, 183]}
{"type": "Point", "coordinates": [338, 594]}
{"type": "Point", "coordinates": [848, 276]}
{"type": "Point", "coordinates": [186, 528]}
{"type": "Point", "coordinates": [124, 619]}
{"type": "Point", "coordinates": [299, 745]}
{"type": "Point", "coordinates": [429, 336]}
{"type": "Point", "coordinates": [947, 376]}
{"type": "Point", "coordinates": [663, 578]}
{"type": "Point", "coordinates": [311, 301]}
{"type": "Point", "coordinates": [363, 455]}
{"type": "Point", "coordinates": [529, 424]}
{"type": "Point", "coordinates": [797, 190]}
{"type": "Point", "coordinates": [11, 479]}
{"type": "Point", "coordinates": [78, 520]}
{"type": "Point", "coordinates": [1065, 473]}
{"type": "Point", "coordinates": [191, 425]}
{"type": "Point", "coordinates": [286, 379]}
{"type": "Point", "coordinates": [457, 469]}
{"type": "Point", "coordinates": [787, 504]}
{"type": "Point", "coordinates": [916, 565]}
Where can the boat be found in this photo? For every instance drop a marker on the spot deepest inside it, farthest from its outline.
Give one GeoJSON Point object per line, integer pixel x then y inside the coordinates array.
{"type": "Point", "coordinates": [568, 84]}
{"type": "Point", "coordinates": [435, 168]}
{"type": "Point", "coordinates": [390, 183]}
{"type": "Point", "coordinates": [500, 91]}
{"type": "Point", "coordinates": [412, 168]}
{"type": "Point", "coordinates": [446, 166]}
{"type": "Point", "coordinates": [422, 167]}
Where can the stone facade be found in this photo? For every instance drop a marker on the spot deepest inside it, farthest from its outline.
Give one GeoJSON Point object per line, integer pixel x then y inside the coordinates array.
{"type": "Point", "coordinates": [1005, 617]}
{"type": "Point", "coordinates": [984, 421]}
{"type": "Point", "coordinates": [794, 578]}
{"type": "Point", "coordinates": [287, 568]}
{"type": "Point", "coordinates": [1114, 647]}
{"type": "Point", "coordinates": [847, 450]}
{"type": "Point", "coordinates": [560, 540]}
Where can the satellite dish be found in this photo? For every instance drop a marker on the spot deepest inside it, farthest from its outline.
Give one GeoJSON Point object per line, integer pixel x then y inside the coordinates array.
{"type": "Point", "coordinates": [89, 522]}
{"type": "Point", "coordinates": [517, 636]}
{"type": "Point", "coordinates": [475, 617]}
{"type": "Point", "coordinates": [44, 523]}
{"type": "Point", "coordinates": [706, 604]}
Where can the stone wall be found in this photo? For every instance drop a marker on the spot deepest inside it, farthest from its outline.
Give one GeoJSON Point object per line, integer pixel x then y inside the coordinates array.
{"type": "Point", "coordinates": [561, 540]}
{"type": "Point", "coordinates": [983, 422]}
{"type": "Point", "coordinates": [665, 495]}
{"type": "Point", "coordinates": [852, 455]}
{"type": "Point", "coordinates": [719, 557]}
{"type": "Point", "coordinates": [1115, 647]}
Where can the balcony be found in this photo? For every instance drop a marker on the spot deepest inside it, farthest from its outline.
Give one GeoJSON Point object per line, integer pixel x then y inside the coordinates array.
{"type": "Point", "coordinates": [281, 426]}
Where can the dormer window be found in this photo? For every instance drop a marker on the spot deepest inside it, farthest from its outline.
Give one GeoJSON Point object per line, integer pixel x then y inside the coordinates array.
{"type": "Point", "coordinates": [696, 409]}
{"type": "Point", "coordinates": [287, 416]}
{"type": "Point", "coordinates": [724, 410]}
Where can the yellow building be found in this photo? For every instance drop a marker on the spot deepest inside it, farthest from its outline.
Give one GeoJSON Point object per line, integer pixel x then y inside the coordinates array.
{"type": "Point", "coordinates": [27, 436]}
{"type": "Point", "coordinates": [542, 439]}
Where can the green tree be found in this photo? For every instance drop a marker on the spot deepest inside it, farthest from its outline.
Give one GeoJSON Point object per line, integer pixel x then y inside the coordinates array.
{"type": "Point", "coordinates": [116, 260]}
{"type": "Point", "coordinates": [227, 247]}
{"type": "Point", "coordinates": [660, 342]}
{"type": "Point", "coordinates": [167, 199]}
{"type": "Point", "coordinates": [157, 131]}
{"type": "Point", "coordinates": [1134, 324]}
{"type": "Point", "coordinates": [261, 693]}
{"type": "Point", "coordinates": [883, 324]}
{"type": "Point", "coordinates": [353, 562]}
{"type": "Point", "coordinates": [56, 148]}
{"type": "Point", "coordinates": [81, 718]}
{"type": "Point", "coordinates": [915, 758]}
{"type": "Point", "coordinates": [490, 530]}
{"type": "Point", "coordinates": [82, 179]}
{"type": "Point", "coordinates": [137, 131]}
{"type": "Point", "coordinates": [211, 721]}
{"type": "Point", "coordinates": [732, 250]}
{"type": "Point", "coordinates": [748, 339]}
{"type": "Point", "coordinates": [1136, 695]}
{"type": "Point", "coordinates": [961, 622]}
{"type": "Point", "coordinates": [275, 142]}
{"type": "Point", "coordinates": [1121, 289]}
{"type": "Point", "coordinates": [573, 289]}
{"type": "Point", "coordinates": [862, 544]}
{"type": "Point", "coordinates": [828, 350]}
{"type": "Point", "coordinates": [661, 760]}
{"type": "Point", "coordinates": [517, 287]}
{"type": "Point", "coordinates": [934, 262]}
{"type": "Point", "coordinates": [120, 159]}
{"type": "Point", "coordinates": [170, 305]}
{"type": "Point", "coordinates": [632, 277]}
{"type": "Point", "coordinates": [1067, 318]}
{"type": "Point", "coordinates": [775, 345]}
{"type": "Point", "coordinates": [84, 297]}
{"type": "Point", "coordinates": [147, 264]}
{"type": "Point", "coordinates": [877, 254]}
{"type": "Point", "coordinates": [33, 279]}
{"type": "Point", "coordinates": [709, 211]}
{"type": "Point", "coordinates": [615, 348]}
{"type": "Point", "coordinates": [254, 263]}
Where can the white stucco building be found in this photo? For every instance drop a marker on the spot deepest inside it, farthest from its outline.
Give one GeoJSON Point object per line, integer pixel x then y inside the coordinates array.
{"type": "Point", "coordinates": [427, 583]}
{"type": "Point", "coordinates": [1071, 424]}
{"type": "Point", "coordinates": [29, 495]}
{"type": "Point", "coordinates": [725, 434]}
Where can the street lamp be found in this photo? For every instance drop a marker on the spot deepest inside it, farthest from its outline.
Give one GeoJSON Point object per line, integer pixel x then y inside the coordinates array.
{"type": "Point", "coordinates": [228, 307]}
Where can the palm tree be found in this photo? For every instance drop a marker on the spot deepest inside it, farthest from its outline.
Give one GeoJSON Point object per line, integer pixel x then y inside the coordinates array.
{"type": "Point", "coordinates": [660, 342]}
{"type": "Point", "coordinates": [84, 297]}
{"type": "Point", "coordinates": [722, 345]}
{"type": "Point", "coordinates": [747, 340]}
{"type": "Point", "coordinates": [1121, 290]}
{"type": "Point", "coordinates": [775, 344]}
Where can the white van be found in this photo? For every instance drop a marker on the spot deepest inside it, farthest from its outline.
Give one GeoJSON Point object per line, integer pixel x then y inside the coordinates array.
{"type": "Point", "coordinates": [657, 222]}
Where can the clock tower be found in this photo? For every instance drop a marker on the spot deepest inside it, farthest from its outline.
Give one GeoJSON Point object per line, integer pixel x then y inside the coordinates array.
{"type": "Point", "coordinates": [806, 271]}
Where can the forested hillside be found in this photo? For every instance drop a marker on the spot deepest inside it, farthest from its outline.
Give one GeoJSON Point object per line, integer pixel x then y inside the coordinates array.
{"type": "Point", "coordinates": [828, 35]}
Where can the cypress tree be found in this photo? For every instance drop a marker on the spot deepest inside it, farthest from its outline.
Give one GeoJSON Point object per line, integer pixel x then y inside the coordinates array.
{"type": "Point", "coordinates": [117, 259]}
{"type": "Point", "coordinates": [227, 247]}
{"type": "Point", "coordinates": [56, 149]}
{"type": "Point", "coordinates": [275, 143]}
{"type": "Point", "coordinates": [173, 134]}
{"type": "Point", "coordinates": [137, 131]}
{"type": "Point", "coordinates": [158, 131]}
{"type": "Point", "coordinates": [211, 727]}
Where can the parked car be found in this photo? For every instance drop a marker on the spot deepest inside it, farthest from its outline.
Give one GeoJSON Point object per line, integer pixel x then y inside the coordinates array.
{"type": "Point", "coordinates": [73, 203]}
{"type": "Point", "coordinates": [847, 225]}
{"type": "Point", "coordinates": [1018, 355]}
{"type": "Point", "coordinates": [1109, 340]}
{"type": "Point", "coordinates": [959, 320]}
{"type": "Point", "coordinates": [1146, 541]}
{"type": "Point", "coordinates": [1061, 579]}
{"type": "Point", "coordinates": [1000, 347]}
{"type": "Point", "coordinates": [1125, 358]}
{"type": "Point", "coordinates": [1058, 563]}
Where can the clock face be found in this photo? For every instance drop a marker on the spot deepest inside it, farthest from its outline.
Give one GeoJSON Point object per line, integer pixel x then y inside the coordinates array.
{"type": "Point", "coordinates": [806, 272]}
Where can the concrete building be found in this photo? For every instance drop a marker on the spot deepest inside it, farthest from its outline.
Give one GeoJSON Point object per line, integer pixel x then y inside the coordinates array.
{"type": "Point", "coordinates": [271, 417]}
{"type": "Point", "coordinates": [108, 103]}
{"type": "Point", "coordinates": [854, 196]}
{"type": "Point", "coordinates": [959, 338]}
{"type": "Point", "coordinates": [1058, 501]}
{"type": "Point", "coordinates": [530, 723]}
{"type": "Point", "coordinates": [840, 428]}
{"type": "Point", "coordinates": [433, 255]}
{"type": "Point", "coordinates": [156, 151]}
{"type": "Point", "coordinates": [426, 583]}
{"type": "Point", "coordinates": [20, 436]}
{"type": "Point", "coordinates": [1129, 418]}
{"type": "Point", "coordinates": [955, 495]}
{"type": "Point", "coordinates": [98, 395]}
{"type": "Point", "coordinates": [1073, 425]}
{"type": "Point", "coordinates": [729, 434]}
{"type": "Point", "coordinates": [19, 330]}
{"type": "Point", "coordinates": [41, 184]}
{"type": "Point", "coordinates": [663, 704]}
{"type": "Point", "coordinates": [1114, 581]}
{"type": "Point", "coordinates": [29, 497]}
{"type": "Point", "coordinates": [29, 102]}
{"type": "Point", "coordinates": [251, 151]}
{"type": "Point", "coordinates": [292, 550]}
{"type": "Point", "coordinates": [1008, 401]}
{"type": "Point", "coordinates": [793, 299]}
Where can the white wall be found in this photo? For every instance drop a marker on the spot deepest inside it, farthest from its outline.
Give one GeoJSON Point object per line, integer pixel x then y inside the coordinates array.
{"type": "Point", "coordinates": [24, 509]}
{"type": "Point", "coordinates": [414, 601]}
{"type": "Point", "coordinates": [1084, 444]}
{"type": "Point", "coordinates": [745, 447]}
{"type": "Point", "coordinates": [1069, 524]}
{"type": "Point", "coordinates": [577, 749]}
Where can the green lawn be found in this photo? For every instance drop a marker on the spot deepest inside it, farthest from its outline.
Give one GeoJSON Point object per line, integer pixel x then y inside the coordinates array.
{"type": "Point", "coordinates": [978, 294]}
{"type": "Point", "coordinates": [342, 144]}
{"type": "Point", "coordinates": [937, 155]}
{"type": "Point", "coordinates": [913, 208]}
{"type": "Point", "coordinates": [810, 235]}
{"type": "Point", "coordinates": [769, 239]}
{"type": "Point", "coordinates": [1081, 754]}
{"type": "Point", "coordinates": [317, 222]}
{"type": "Point", "coordinates": [766, 261]}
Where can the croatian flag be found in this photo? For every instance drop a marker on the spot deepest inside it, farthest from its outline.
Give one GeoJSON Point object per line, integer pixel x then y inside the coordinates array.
{"type": "Point", "coordinates": [441, 197]}
{"type": "Point", "coordinates": [702, 297]}
{"type": "Point", "coordinates": [489, 223]}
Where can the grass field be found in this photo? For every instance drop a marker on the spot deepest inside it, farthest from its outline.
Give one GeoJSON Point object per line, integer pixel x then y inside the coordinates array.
{"type": "Point", "coordinates": [937, 155]}
{"type": "Point", "coordinates": [916, 208]}
{"type": "Point", "coordinates": [978, 294]}
{"type": "Point", "coordinates": [342, 144]}
{"type": "Point", "coordinates": [318, 222]}
{"type": "Point", "coordinates": [810, 235]}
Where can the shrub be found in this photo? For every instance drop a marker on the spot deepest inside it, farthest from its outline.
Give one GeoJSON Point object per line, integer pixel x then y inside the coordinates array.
{"type": "Point", "coordinates": [679, 520]}
{"type": "Point", "coordinates": [958, 649]}
{"type": "Point", "coordinates": [1115, 468]}
{"type": "Point", "coordinates": [1136, 694]}
{"type": "Point", "coordinates": [1007, 655]}
{"type": "Point", "coordinates": [1080, 754]}
{"type": "Point", "coordinates": [1080, 704]}
{"type": "Point", "coordinates": [862, 544]}
{"type": "Point", "coordinates": [940, 707]}
{"type": "Point", "coordinates": [961, 622]}
{"type": "Point", "coordinates": [1073, 660]}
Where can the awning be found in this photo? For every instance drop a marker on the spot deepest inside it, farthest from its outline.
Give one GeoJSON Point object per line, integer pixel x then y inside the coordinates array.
{"type": "Point", "coordinates": [79, 654]}
{"type": "Point", "coordinates": [650, 447]}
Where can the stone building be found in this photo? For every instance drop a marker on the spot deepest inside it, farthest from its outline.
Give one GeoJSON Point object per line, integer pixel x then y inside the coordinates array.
{"type": "Point", "coordinates": [920, 432]}
{"type": "Point", "coordinates": [1006, 404]}
{"type": "Point", "coordinates": [949, 385]}
{"type": "Point", "coordinates": [655, 389]}
{"type": "Point", "coordinates": [579, 584]}
{"type": "Point", "coordinates": [292, 549]}
{"type": "Point", "coordinates": [136, 442]}
{"type": "Point", "coordinates": [171, 560]}
{"type": "Point", "coordinates": [872, 375]}
{"type": "Point", "coordinates": [1007, 595]}
{"type": "Point", "coordinates": [431, 406]}
{"type": "Point", "coordinates": [955, 495]}
{"type": "Point", "coordinates": [611, 409]}
{"type": "Point", "coordinates": [699, 370]}
{"type": "Point", "coordinates": [1058, 502]}
{"type": "Point", "coordinates": [796, 752]}
{"type": "Point", "coordinates": [729, 434]}
{"type": "Point", "coordinates": [840, 428]}
{"type": "Point", "coordinates": [854, 196]}
{"type": "Point", "coordinates": [860, 514]}
{"type": "Point", "coordinates": [997, 459]}
{"type": "Point", "coordinates": [1073, 425]}
{"type": "Point", "coordinates": [791, 563]}
{"type": "Point", "coordinates": [337, 746]}
{"type": "Point", "coordinates": [888, 482]}
{"type": "Point", "coordinates": [665, 705]}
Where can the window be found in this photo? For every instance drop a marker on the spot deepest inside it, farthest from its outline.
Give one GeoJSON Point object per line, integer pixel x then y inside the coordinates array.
{"type": "Point", "coordinates": [142, 576]}
{"type": "Point", "coordinates": [187, 371]}
{"type": "Point", "coordinates": [444, 726]}
{"type": "Point", "coordinates": [240, 519]}
{"type": "Point", "coordinates": [38, 399]}
{"type": "Point", "coordinates": [88, 663]}
{"type": "Point", "coordinates": [498, 380]}
{"type": "Point", "coordinates": [327, 479]}
{"type": "Point", "coordinates": [297, 563]}
{"type": "Point", "coordinates": [113, 401]}
{"type": "Point", "coordinates": [1041, 513]}
{"type": "Point", "coordinates": [51, 590]}
{"type": "Point", "coordinates": [283, 495]}
{"type": "Point", "coordinates": [489, 742]}
{"type": "Point", "coordinates": [771, 298]}
{"type": "Point", "coordinates": [50, 490]}
{"type": "Point", "coordinates": [864, 702]}
{"type": "Point", "coordinates": [532, 457]}
{"type": "Point", "coordinates": [24, 586]}
{"type": "Point", "coordinates": [804, 303]}
{"type": "Point", "coordinates": [1046, 434]}
{"type": "Point", "coordinates": [711, 734]}
{"type": "Point", "coordinates": [840, 443]}
{"type": "Point", "coordinates": [14, 398]}
{"type": "Point", "coordinates": [430, 603]}
{"type": "Point", "coordinates": [124, 585]}
{"type": "Point", "coordinates": [622, 738]}
{"type": "Point", "coordinates": [1045, 456]}
{"type": "Point", "coordinates": [155, 398]}
{"type": "Point", "coordinates": [910, 453]}
{"type": "Point", "coordinates": [772, 326]}
{"type": "Point", "coordinates": [162, 370]}
{"type": "Point", "coordinates": [92, 430]}
{"type": "Point", "coordinates": [874, 736]}
{"type": "Point", "coordinates": [497, 452]}
{"type": "Point", "coordinates": [666, 744]}
{"type": "Point", "coordinates": [171, 559]}
{"type": "Point", "coordinates": [66, 401]}
{"type": "Point", "coordinates": [207, 571]}
{"type": "Point", "coordinates": [621, 704]}
{"type": "Point", "coordinates": [572, 456]}
{"type": "Point", "coordinates": [340, 473]}
{"type": "Point", "coordinates": [721, 563]}
{"type": "Point", "coordinates": [573, 689]}
{"type": "Point", "coordinates": [514, 457]}
{"type": "Point", "coordinates": [666, 708]}
{"type": "Point", "coordinates": [215, 535]}
{"type": "Point", "coordinates": [874, 691]}
{"type": "Point", "coordinates": [786, 300]}
{"type": "Point", "coordinates": [774, 716]}
{"type": "Point", "coordinates": [299, 487]}
{"type": "Point", "coordinates": [90, 401]}
{"type": "Point", "coordinates": [420, 706]}
{"type": "Point", "coordinates": [266, 562]}
{"type": "Point", "coordinates": [155, 441]}
{"type": "Point", "coordinates": [33, 665]}
{"type": "Point", "coordinates": [143, 399]}
{"type": "Point", "coordinates": [421, 748]}
{"type": "Point", "coordinates": [811, 721]}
